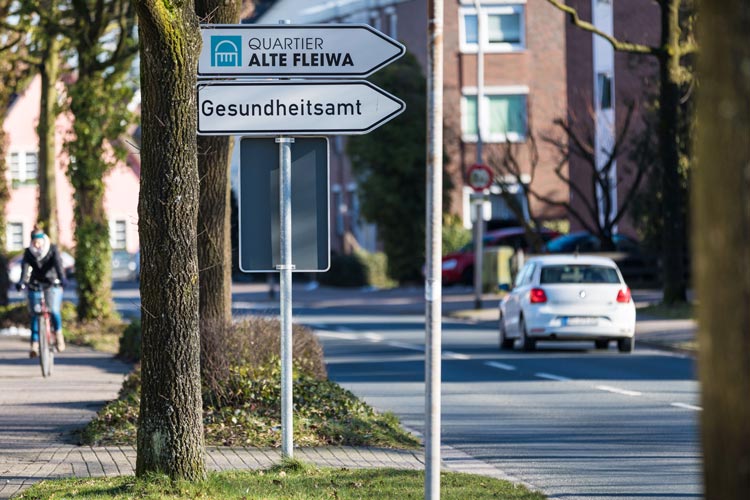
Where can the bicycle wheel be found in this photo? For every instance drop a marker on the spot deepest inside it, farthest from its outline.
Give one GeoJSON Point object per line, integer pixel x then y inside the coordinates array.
{"type": "Point", "coordinates": [46, 357]}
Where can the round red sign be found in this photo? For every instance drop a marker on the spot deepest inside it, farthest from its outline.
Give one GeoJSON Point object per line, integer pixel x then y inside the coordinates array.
{"type": "Point", "coordinates": [479, 177]}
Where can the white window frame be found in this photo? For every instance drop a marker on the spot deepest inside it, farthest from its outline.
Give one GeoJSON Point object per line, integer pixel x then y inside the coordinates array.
{"type": "Point", "coordinates": [113, 234]}
{"type": "Point", "coordinates": [484, 127]}
{"type": "Point", "coordinates": [392, 18]}
{"type": "Point", "coordinates": [495, 8]}
{"type": "Point", "coordinates": [9, 236]}
{"type": "Point", "coordinates": [21, 175]}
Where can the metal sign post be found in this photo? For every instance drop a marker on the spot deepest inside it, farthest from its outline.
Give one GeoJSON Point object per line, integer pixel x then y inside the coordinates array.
{"type": "Point", "coordinates": [434, 243]}
{"type": "Point", "coordinates": [301, 108]}
{"type": "Point", "coordinates": [285, 292]}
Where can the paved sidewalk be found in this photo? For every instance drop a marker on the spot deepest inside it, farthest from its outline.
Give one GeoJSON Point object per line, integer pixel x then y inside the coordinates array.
{"type": "Point", "coordinates": [20, 469]}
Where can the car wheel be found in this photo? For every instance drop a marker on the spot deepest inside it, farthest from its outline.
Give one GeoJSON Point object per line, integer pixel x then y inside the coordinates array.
{"type": "Point", "coordinates": [601, 344]}
{"type": "Point", "coordinates": [626, 344]}
{"type": "Point", "coordinates": [528, 343]}
{"type": "Point", "coordinates": [505, 342]}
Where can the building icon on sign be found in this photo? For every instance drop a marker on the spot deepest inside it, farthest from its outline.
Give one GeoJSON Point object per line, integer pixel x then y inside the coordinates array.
{"type": "Point", "coordinates": [226, 51]}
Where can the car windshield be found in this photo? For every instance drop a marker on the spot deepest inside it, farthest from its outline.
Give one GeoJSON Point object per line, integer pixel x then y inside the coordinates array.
{"type": "Point", "coordinates": [578, 273]}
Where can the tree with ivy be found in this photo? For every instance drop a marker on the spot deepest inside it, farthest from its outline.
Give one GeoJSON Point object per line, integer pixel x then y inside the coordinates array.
{"type": "Point", "coordinates": [102, 34]}
{"type": "Point", "coordinates": [674, 54]}
{"type": "Point", "coordinates": [170, 426]}
{"type": "Point", "coordinates": [389, 165]}
{"type": "Point", "coordinates": [38, 24]}
{"type": "Point", "coordinates": [15, 72]}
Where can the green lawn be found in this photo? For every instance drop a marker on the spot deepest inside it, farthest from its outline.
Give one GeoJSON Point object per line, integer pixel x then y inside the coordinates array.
{"type": "Point", "coordinates": [289, 482]}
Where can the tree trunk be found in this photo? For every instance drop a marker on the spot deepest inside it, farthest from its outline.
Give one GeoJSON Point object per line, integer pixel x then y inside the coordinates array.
{"type": "Point", "coordinates": [93, 249]}
{"type": "Point", "coordinates": [721, 211]}
{"type": "Point", "coordinates": [4, 197]}
{"type": "Point", "coordinates": [50, 70]}
{"type": "Point", "coordinates": [673, 201]}
{"type": "Point", "coordinates": [170, 430]}
{"type": "Point", "coordinates": [214, 215]}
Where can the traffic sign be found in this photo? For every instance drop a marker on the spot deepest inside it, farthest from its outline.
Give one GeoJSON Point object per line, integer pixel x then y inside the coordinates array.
{"type": "Point", "coordinates": [310, 50]}
{"type": "Point", "coordinates": [479, 177]}
{"type": "Point", "coordinates": [291, 107]}
{"type": "Point", "coordinates": [259, 214]}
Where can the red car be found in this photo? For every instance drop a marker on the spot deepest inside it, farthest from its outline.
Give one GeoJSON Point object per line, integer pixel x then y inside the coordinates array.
{"type": "Point", "coordinates": [458, 267]}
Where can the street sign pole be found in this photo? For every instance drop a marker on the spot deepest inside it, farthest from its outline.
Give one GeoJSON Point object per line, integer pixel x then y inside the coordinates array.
{"type": "Point", "coordinates": [434, 243]}
{"type": "Point", "coordinates": [285, 295]}
{"type": "Point", "coordinates": [478, 201]}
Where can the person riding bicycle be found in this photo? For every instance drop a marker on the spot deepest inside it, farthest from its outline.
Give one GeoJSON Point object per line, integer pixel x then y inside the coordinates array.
{"type": "Point", "coordinates": [42, 272]}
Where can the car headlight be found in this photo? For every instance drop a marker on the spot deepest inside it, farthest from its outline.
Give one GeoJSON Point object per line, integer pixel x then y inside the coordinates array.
{"type": "Point", "coordinates": [450, 264]}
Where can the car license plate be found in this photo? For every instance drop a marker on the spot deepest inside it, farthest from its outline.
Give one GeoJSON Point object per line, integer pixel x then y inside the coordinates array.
{"type": "Point", "coordinates": [580, 321]}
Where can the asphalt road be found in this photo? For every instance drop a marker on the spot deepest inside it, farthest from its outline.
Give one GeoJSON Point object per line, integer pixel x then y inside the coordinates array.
{"type": "Point", "coordinates": [573, 422]}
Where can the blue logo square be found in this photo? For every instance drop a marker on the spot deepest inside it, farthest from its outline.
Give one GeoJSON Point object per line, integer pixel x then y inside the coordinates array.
{"type": "Point", "coordinates": [226, 51]}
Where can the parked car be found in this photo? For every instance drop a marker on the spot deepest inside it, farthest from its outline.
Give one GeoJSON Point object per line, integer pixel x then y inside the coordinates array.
{"type": "Point", "coordinates": [639, 267]}
{"type": "Point", "coordinates": [585, 242]}
{"type": "Point", "coordinates": [458, 267]}
{"type": "Point", "coordinates": [14, 266]}
{"type": "Point", "coordinates": [568, 297]}
{"type": "Point", "coordinates": [124, 266]}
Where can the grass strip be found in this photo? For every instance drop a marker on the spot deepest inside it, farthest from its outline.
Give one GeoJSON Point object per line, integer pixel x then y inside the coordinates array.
{"type": "Point", "coordinates": [290, 481]}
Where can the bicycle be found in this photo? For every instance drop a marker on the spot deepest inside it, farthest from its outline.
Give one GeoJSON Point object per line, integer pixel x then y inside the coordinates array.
{"type": "Point", "coordinates": [42, 313]}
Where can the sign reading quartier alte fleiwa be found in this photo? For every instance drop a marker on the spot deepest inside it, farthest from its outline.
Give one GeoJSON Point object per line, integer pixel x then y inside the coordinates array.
{"type": "Point", "coordinates": [323, 50]}
{"type": "Point", "coordinates": [294, 107]}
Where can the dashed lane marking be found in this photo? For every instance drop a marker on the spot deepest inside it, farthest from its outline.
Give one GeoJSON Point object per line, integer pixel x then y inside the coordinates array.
{"type": "Point", "coordinates": [617, 390]}
{"type": "Point", "coordinates": [501, 366]}
{"type": "Point", "coordinates": [550, 376]}
{"type": "Point", "coordinates": [686, 406]}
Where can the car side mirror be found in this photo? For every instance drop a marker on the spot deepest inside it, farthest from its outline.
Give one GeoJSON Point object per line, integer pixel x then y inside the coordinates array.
{"type": "Point", "coordinates": [504, 287]}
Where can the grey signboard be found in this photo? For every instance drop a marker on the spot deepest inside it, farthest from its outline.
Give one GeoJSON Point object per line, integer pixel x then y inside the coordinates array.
{"type": "Point", "coordinates": [259, 205]}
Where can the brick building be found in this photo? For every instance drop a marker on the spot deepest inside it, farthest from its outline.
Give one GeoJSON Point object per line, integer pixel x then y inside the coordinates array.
{"type": "Point", "coordinates": [538, 67]}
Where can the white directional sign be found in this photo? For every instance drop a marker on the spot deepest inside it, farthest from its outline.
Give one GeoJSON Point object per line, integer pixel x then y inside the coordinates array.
{"type": "Point", "coordinates": [302, 107]}
{"type": "Point", "coordinates": [324, 50]}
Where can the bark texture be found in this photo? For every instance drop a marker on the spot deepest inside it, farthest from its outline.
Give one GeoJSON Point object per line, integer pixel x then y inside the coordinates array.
{"type": "Point", "coordinates": [214, 214]}
{"type": "Point", "coordinates": [170, 431]}
{"type": "Point", "coordinates": [50, 72]}
{"type": "Point", "coordinates": [721, 211]}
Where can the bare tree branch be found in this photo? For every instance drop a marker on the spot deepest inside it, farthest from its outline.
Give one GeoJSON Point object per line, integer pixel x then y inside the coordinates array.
{"type": "Point", "coordinates": [633, 48]}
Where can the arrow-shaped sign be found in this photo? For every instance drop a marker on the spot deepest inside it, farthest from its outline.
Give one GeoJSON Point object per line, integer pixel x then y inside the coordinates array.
{"type": "Point", "coordinates": [293, 107]}
{"type": "Point", "coordinates": [311, 50]}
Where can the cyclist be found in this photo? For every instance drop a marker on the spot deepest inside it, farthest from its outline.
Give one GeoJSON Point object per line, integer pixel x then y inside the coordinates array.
{"type": "Point", "coordinates": [42, 272]}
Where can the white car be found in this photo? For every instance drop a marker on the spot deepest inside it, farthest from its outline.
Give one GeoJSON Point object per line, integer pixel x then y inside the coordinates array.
{"type": "Point", "coordinates": [568, 297]}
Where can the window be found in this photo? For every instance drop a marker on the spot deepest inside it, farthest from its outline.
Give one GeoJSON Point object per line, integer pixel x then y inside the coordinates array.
{"type": "Point", "coordinates": [15, 236]}
{"type": "Point", "coordinates": [31, 165]}
{"type": "Point", "coordinates": [501, 26]}
{"type": "Point", "coordinates": [118, 237]}
{"type": "Point", "coordinates": [23, 167]}
{"type": "Point", "coordinates": [503, 117]}
{"type": "Point", "coordinates": [15, 166]}
{"type": "Point", "coordinates": [392, 17]}
{"type": "Point", "coordinates": [604, 90]}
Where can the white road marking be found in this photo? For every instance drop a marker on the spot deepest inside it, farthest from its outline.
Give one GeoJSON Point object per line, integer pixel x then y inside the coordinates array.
{"type": "Point", "coordinates": [410, 347]}
{"type": "Point", "coordinates": [501, 366]}
{"type": "Point", "coordinates": [617, 390]}
{"type": "Point", "coordinates": [336, 335]}
{"type": "Point", "coordinates": [549, 376]}
{"type": "Point", "coordinates": [456, 355]}
{"type": "Point", "coordinates": [686, 406]}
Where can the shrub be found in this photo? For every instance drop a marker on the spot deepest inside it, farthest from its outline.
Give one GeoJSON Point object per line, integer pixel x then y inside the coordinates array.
{"type": "Point", "coordinates": [17, 314]}
{"type": "Point", "coordinates": [253, 343]}
{"type": "Point", "coordinates": [345, 271]}
{"type": "Point", "coordinates": [130, 342]}
{"type": "Point", "coordinates": [359, 269]}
